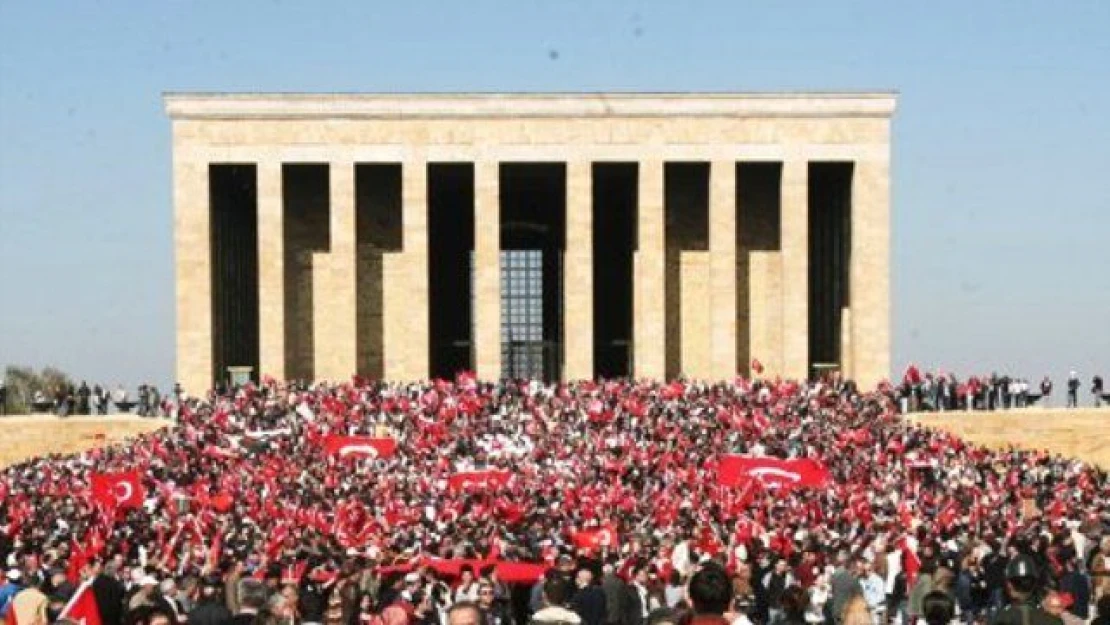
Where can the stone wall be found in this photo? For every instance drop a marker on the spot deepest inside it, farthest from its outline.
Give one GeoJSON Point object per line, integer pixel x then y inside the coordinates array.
{"type": "Point", "coordinates": [341, 130]}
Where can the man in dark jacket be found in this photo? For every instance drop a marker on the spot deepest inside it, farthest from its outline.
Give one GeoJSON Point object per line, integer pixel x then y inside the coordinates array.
{"type": "Point", "coordinates": [589, 599]}
{"type": "Point", "coordinates": [210, 608]}
{"type": "Point", "coordinates": [1023, 587]}
{"type": "Point", "coordinates": [615, 593]}
{"type": "Point", "coordinates": [108, 590]}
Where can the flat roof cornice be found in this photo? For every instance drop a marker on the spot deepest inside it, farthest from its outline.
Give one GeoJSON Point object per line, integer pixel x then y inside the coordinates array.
{"type": "Point", "coordinates": [279, 106]}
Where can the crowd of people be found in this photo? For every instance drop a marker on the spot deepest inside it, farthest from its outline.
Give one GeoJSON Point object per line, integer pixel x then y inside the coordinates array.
{"type": "Point", "coordinates": [82, 399]}
{"type": "Point", "coordinates": [941, 391]}
{"type": "Point", "coordinates": [592, 503]}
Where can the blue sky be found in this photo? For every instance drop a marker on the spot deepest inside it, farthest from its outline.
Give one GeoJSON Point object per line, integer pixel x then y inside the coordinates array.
{"type": "Point", "coordinates": [1001, 173]}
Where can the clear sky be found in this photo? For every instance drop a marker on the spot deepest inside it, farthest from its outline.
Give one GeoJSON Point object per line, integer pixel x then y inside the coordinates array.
{"type": "Point", "coordinates": [1001, 174]}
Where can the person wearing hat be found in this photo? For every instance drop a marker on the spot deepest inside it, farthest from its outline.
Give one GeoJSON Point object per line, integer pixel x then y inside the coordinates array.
{"type": "Point", "coordinates": [1057, 604]}
{"type": "Point", "coordinates": [145, 595]}
{"type": "Point", "coordinates": [1022, 586]}
{"type": "Point", "coordinates": [10, 588]}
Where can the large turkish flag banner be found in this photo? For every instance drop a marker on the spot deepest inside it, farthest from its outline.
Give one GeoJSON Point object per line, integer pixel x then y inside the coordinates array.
{"type": "Point", "coordinates": [734, 470]}
{"type": "Point", "coordinates": [121, 490]}
{"type": "Point", "coordinates": [359, 446]}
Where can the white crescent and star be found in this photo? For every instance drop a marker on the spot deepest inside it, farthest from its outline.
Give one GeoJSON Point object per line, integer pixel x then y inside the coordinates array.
{"type": "Point", "coordinates": [348, 450]}
{"type": "Point", "coordinates": [123, 491]}
{"type": "Point", "coordinates": [776, 472]}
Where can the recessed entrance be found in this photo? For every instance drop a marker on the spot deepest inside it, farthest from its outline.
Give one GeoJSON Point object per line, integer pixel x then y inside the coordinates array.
{"type": "Point", "coordinates": [533, 228]}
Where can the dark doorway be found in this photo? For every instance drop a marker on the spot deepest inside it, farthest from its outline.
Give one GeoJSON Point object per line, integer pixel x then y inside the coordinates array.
{"type": "Point", "coordinates": [830, 249]}
{"type": "Point", "coordinates": [533, 226]}
{"type": "Point", "coordinates": [233, 230]}
{"type": "Point", "coordinates": [378, 232]}
{"type": "Point", "coordinates": [686, 207]}
{"type": "Point", "coordinates": [450, 253]}
{"type": "Point", "coordinates": [306, 206]}
{"type": "Point", "coordinates": [615, 193]}
{"type": "Point", "coordinates": [758, 231]}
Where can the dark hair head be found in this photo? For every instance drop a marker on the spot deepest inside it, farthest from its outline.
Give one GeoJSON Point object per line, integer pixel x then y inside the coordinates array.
{"type": "Point", "coordinates": [557, 590]}
{"type": "Point", "coordinates": [663, 616]}
{"type": "Point", "coordinates": [795, 600]}
{"type": "Point", "coordinates": [252, 593]}
{"type": "Point", "coordinates": [938, 608]}
{"type": "Point", "coordinates": [710, 590]}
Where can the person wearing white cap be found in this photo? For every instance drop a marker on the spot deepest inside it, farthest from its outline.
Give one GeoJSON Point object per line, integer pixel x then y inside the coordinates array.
{"type": "Point", "coordinates": [144, 597]}
{"type": "Point", "coordinates": [9, 588]}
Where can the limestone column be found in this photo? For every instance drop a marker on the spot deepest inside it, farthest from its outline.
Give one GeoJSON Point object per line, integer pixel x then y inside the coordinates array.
{"type": "Point", "coordinates": [335, 327]}
{"type": "Point", "coordinates": [487, 269]}
{"type": "Point", "coordinates": [406, 303]}
{"type": "Point", "coordinates": [578, 274]}
{"type": "Point", "coordinates": [649, 295]}
{"type": "Point", "coordinates": [271, 271]}
{"type": "Point", "coordinates": [870, 271]}
{"type": "Point", "coordinates": [192, 244]}
{"type": "Point", "coordinates": [795, 268]}
{"type": "Point", "coordinates": [722, 269]}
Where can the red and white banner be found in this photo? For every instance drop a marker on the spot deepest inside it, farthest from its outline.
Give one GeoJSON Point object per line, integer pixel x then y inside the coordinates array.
{"type": "Point", "coordinates": [122, 490]}
{"type": "Point", "coordinates": [490, 478]}
{"type": "Point", "coordinates": [359, 446]}
{"type": "Point", "coordinates": [82, 608]}
{"type": "Point", "coordinates": [734, 470]}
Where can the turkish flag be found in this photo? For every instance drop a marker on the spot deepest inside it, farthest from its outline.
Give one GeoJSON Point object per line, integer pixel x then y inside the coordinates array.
{"type": "Point", "coordinates": [734, 470]}
{"type": "Point", "coordinates": [596, 538]}
{"type": "Point", "coordinates": [122, 490]}
{"type": "Point", "coordinates": [359, 446]}
{"type": "Point", "coordinates": [82, 607]}
{"type": "Point", "coordinates": [490, 478]}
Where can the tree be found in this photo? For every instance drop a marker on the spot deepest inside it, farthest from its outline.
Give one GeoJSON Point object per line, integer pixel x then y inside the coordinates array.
{"type": "Point", "coordinates": [23, 382]}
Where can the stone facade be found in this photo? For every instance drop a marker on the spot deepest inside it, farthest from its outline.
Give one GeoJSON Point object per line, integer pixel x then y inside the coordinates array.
{"type": "Point", "coordinates": [734, 303]}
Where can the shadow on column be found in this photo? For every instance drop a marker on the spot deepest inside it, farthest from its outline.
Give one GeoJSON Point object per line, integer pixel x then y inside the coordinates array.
{"type": "Point", "coordinates": [377, 232]}
{"type": "Point", "coordinates": [686, 206]}
{"type": "Point", "coordinates": [450, 267]}
{"type": "Point", "coordinates": [830, 247]}
{"type": "Point", "coordinates": [758, 237]}
{"type": "Point", "coordinates": [233, 198]}
{"type": "Point", "coordinates": [306, 219]}
{"type": "Point", "coordinates": [615, 190]}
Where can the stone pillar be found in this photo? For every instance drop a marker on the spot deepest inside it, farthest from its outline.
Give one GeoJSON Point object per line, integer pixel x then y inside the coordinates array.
{"type": "Point", "coordinates": [722, 269]}
{"type": "Point", "coordinates": [578, 274]}
{"type": "Point", "coordinates": [487, 269]}
{"type": "Point", "coordinates": [192, 243]}
{"type": "Point", "coordinates": [406, 275]}
{"type": "Point", "coordinates": [334, 284]}
{"type": "Point", "coordinates": [870, 272]}
{"type": "Point", "coordinates": [649, 295]}
{"type": "Point", "coordinates": [795, 268]}
{"type": "Point", "coordinates": [271, 271]}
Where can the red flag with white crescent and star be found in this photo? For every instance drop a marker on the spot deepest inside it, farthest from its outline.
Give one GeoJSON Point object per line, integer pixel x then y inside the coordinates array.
{"type": "Point", "coordinates": [359, 446]}
{"type": "Point", "coordinates": [735, 470]}
{"type": "Point", "coordinates": [118, 490]}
